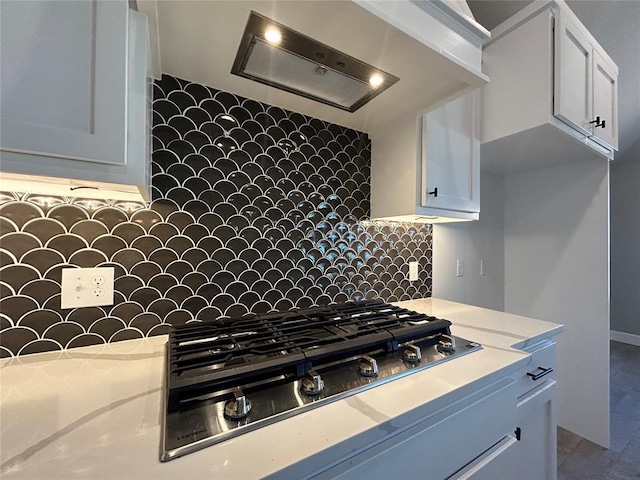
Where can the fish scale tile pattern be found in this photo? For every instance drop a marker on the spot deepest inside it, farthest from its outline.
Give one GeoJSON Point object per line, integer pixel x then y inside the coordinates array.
{"type": "Point", "coordinates": [254, 209]}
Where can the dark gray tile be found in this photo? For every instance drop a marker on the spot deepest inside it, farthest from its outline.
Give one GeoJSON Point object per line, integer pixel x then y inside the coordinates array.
{"type": "Point", "coordinates": [623, 428]}
{"type": "Point", "coordinates": [562, 476]}
{"type": "Point", "coordinates": [629, 354]}
{"type": "Point", "coordinates": [630, 404]}
{"type": "Point", "coordinates": [291, 199]}
{"type": "Point", "coordinates": [618, 350]}
{"type": "Point", "coordinates": [631, 453]}
{"type": "Point", "coordinates": [631, 363]}
{"type": "Point", "coordinates": [588, 461]}
{"type": "Point", "coordinates": [625, 380]}
{"type": "Point", "coordinates": [567, 443]}
{"type": "Point", "coordinates": [615, 396]}
{"type": "Point", "coordinates": [622, 470]}
{"type": "Point", "coordinates": [615, 364]}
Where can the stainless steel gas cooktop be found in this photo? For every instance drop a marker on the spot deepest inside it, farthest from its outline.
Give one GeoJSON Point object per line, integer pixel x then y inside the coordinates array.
{"type": "Point", "coordinates": [227, 377]}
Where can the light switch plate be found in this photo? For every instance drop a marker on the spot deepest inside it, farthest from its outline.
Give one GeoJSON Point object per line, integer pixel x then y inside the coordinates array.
{"type": "Point", "coordinates": [413, 271]}
{"type": "Point", "coordinates": [87, 287]}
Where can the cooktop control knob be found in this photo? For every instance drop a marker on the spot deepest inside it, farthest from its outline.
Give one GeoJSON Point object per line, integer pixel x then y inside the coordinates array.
{"type": "Point", "coordinates": [446, 344]}
{"type": "Point", "coordinates": [412, 353]}
{"type": "Point", "coordinates": [312, 383]}
{"type": "Point", "coordinates": [368, 367]}
{"type": "Point", "coordinates": [239, 407]}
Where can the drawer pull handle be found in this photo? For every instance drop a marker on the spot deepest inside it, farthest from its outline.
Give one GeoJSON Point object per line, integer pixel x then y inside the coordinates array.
{"type": "Point", "coordinates": [536, 376]}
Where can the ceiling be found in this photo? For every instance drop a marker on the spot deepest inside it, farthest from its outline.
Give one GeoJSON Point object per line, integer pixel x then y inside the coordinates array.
{"type": "Point", "coordinates": [616, 26]}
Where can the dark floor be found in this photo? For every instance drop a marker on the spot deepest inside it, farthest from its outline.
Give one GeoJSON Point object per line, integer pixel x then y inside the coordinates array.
{"type": "Point", "coordinates": [580, 459]}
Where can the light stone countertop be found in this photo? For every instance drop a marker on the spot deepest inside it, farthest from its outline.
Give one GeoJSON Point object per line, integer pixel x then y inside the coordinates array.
{"type": "Point", "coordinates": [94, 412]}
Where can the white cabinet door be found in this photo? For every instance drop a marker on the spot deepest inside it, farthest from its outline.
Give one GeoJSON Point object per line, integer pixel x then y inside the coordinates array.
{"type": "Point", "coordinates": [499, 462]}
{"type": "Point", "coordinates": [439, 446]}
{"type": "Point", "coordinates": [139, 103]}
{"type": "Point", "coordinates": [572, 76]}
{"type": "Point", "coordinates": [63, 80]}
{"type": "Point", "coordinates": [605, 100]}
{"type": "Point", "coordinates": [537, 456]}
{"type": "Point", "coordinates": [451, 155]}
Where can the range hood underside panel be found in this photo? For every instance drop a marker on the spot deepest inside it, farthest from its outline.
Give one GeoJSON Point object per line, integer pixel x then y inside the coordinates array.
{"type": "Point", "coordinates": [199, 43]}
{"type": "Point", "coordinates": [270, 63]}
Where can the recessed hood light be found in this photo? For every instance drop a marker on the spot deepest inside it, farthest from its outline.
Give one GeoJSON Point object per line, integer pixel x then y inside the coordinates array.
{"type": "Point", "coordinates": [275, 55]}
{"type": "Point", "coordinates": [273, 35]}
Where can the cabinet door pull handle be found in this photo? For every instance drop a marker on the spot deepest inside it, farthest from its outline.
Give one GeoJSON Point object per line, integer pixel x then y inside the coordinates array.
{"type": "Point", "coordinates": [598, 123]}
{"type": "Point", "coordinates": [536, 376]}
{"type": "Point", "coordinates": [434, 193]}
{"type": "Point", "coordinates": [518, 433]}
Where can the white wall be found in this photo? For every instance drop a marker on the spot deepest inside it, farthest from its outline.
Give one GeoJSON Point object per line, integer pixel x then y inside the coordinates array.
{"type": "Point", "coordinates": [471, 242]}
{"type": "Point", "coordinates": [557, 269]}
{"type": "Point", "coordinates": [625, 247]}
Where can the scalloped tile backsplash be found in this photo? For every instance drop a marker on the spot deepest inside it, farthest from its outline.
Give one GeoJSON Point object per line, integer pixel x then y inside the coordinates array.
{"type": "Point", "coordinates": [254, 209]}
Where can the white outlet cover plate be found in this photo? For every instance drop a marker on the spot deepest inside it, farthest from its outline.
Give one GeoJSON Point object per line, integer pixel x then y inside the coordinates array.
{"type": "Point", "coordinates": [413, 271]}
{"type": "Point", "coordinates": [460, 268]}
{"type": "Point", "coordinates": [79, 287]}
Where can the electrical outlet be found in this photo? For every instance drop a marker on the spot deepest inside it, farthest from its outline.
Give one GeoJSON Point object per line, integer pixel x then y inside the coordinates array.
{"type": "Point", "coordinates": [459, 268]}
{"type": "Point", "coordinates": [87, 287]}
{"type": "Point", "coordinates": [413, 271]}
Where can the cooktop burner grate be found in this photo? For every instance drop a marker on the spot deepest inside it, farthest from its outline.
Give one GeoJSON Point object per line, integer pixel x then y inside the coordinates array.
{"type": "Point", "coordinates": [232, 376]}
{"type": "Point", "coordinates": [222, 354]}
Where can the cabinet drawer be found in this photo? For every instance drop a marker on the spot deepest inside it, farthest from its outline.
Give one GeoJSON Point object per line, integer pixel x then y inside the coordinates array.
{"type": "Point", "coordinates": [440, 445]}
{"type": "Point", "coordinates": [500, 461]}
{"type": "Point", "coordinates": [537, 370]}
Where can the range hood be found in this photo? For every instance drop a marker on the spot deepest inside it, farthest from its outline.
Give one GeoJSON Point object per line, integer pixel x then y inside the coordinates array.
{"type": "Point", "coordinates": [276, 55]}
{"type": "Point", "coordinates": [412, 41]}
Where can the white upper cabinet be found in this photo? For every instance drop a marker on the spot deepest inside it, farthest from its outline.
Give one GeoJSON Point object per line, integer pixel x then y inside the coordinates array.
{"type": "Point", "coordinates": [553, 92]}
{"type": "Point", "coordinates": [428, 169]}
{"type": "Point", "coordinates": [585, 83]}
{"type": "Point", "coordinates": [64, 79]}
{"type": "Point", "coordinates": [573, 76]}
{"type": "Point", "coordinates": [451, 156]}
{"type": "Point", "coordinates": [73, 90]}
{"type": "Point", "coordinates": [605, 100]}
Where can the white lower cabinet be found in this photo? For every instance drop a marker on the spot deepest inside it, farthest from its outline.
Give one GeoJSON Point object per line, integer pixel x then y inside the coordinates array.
{"type": "Point", "coordinates": [536, 415]}
{"type": "Point", "coordinates": [536, 450]}
{"type": "Point", "coordinates": [529, 454]}
{"type": "Point", "coordinates": [499, 462]}
{"type": "Point", "coordinates": [504, 432]}
{"type": "Point", "coordinates": [440, 445]}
